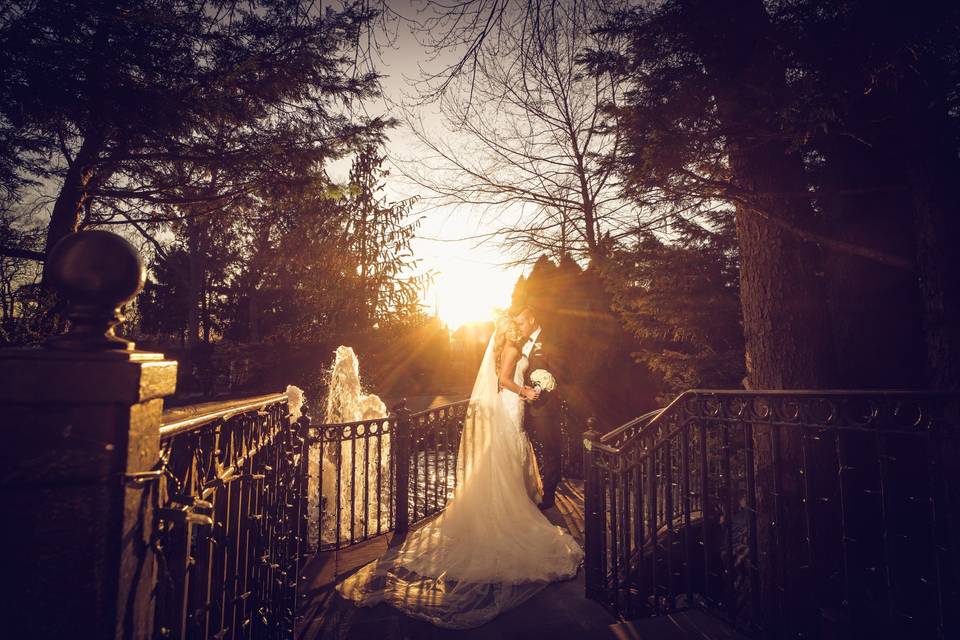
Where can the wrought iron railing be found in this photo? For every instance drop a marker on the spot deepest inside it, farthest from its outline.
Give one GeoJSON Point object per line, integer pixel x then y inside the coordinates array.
{"type": "Point", "coordinates": [231, 523]}
{"type": "Point", "coordinates": [794, 514]}
{"type": "Point", "coordinates": [571, 439]}
{"type": "Point", "coordinates": [352, 482]}
{"type": "Point", "coordinates": [386, 474]}
{"type": "Point", "coordinates": [432, 469]}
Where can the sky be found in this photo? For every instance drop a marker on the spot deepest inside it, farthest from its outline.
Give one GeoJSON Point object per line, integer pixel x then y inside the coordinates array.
{"type": "Point", "coordinates": [469, 279]}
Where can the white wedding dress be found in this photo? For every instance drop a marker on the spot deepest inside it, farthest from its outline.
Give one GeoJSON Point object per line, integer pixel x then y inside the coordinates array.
{"type": "Point", "coordinates": [491, 548]}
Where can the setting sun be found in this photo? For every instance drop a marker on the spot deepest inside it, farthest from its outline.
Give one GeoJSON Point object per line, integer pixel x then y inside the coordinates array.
{"type": "Point", "coordinates": [466, 291]}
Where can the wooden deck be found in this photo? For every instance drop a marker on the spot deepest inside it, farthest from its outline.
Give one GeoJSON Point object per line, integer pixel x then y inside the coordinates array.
{"type": "Point", "coordinates": [558, 612]}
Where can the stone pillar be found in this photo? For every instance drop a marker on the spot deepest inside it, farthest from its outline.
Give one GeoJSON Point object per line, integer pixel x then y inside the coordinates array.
{"type": "Point", "coordinates": [79, 422]}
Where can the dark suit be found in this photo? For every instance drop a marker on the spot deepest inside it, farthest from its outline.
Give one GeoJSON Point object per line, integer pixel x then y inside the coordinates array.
{"type": "Point", "coordinates": [542, 420]}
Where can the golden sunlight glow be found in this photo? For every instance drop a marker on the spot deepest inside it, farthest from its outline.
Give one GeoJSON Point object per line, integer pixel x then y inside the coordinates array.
{"type": "Point", "coordinates": [465, 291]}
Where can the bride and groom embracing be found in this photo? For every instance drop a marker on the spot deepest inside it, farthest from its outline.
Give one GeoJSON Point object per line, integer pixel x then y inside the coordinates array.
{"type": "Point", "coordinates": [491, 548]}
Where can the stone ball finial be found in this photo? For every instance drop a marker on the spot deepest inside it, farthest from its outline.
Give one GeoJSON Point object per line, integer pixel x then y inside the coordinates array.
{"type": "Point", "coordinates": [95, 272]}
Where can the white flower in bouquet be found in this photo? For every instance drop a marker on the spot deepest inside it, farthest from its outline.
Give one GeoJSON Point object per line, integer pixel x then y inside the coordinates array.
{"type": "Point", "coordinates": [543, 379]}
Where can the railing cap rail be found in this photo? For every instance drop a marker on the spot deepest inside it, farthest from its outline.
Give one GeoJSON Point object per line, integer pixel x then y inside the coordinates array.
{"type": "Point", "coordinates": [392, 415]}
{"type": "Point", "coordinates": [439, 407]}
{"type": "Point", "coordinates": [649, 416]}
{"type": "Point", "coordinates": [652, 417]}
{"type": "Point", "coordinates": [182, 419]}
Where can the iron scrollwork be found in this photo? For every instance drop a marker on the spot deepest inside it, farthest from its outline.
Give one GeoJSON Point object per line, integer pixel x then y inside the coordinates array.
{"type": "Point", "coordinates": [779, 510]}
{"type": "Point", "coordinates": [230, 534]}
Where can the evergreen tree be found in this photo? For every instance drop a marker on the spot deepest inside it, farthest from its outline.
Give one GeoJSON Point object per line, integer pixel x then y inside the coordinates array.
{"type": "Point", "coordinates": [589, 349]}
{"type": "Point", "coordinates": [680, 299]}
{"type": "Point", "coordinates": [144, 111]}
{"type": "Point", "coordinates": [830, 128]}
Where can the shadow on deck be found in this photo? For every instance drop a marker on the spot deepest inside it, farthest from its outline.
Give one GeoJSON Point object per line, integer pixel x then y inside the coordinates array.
{"type": "Point", "coordinates": [558, 612]}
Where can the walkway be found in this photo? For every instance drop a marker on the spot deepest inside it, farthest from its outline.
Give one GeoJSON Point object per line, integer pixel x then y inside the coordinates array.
{"type": "Point", "coordinates": [559, 612]}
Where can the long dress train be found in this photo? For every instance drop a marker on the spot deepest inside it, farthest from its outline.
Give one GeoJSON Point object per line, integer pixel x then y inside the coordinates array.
{"type": "Point", "coordinates": [491, 548]}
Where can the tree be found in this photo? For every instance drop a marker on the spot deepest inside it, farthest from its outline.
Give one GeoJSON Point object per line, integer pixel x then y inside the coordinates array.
{"type": "Point", "coordinates": [814, 146]}
{"type": "Point", "coordinates": [732, 103]}
{"type": "Point", "coordinates": [590, 350]}
{"type": "Point", "coordinates": [18, 282]}
{"type": "Point", "coordinates": [680, 300]}
{"type": "Point", "coordinates": [296, 265]}
{"type": "Point", "coordinates": [148, 112]}
{"type": "Point", "coordinates": [701, 125]}
{"type": "Point", "coordinates": [379, 240]}
{"type": "Point", "coordinates": [522, 139]}
{"type": "Point", "coordinates": [879, 104]}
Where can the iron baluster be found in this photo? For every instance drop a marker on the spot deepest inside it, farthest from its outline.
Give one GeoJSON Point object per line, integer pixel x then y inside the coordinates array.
{"type": "Point", "coordinates": [941, 544]}
{"type": "Point", "coordinates": [366, 483]}
{"type": "Point", "coordinates": [614, 531]}
{"type": "Point", "coordinates": [728, 590]}
{"type": "Point", "coordinates": [415, 485]}
{"type": "Point", "coordinates": [752, 540]}
{"type": "Point", "coordinates": [321, 500]}
{"type": "Point", "coordinates": [379, 475]}
{"type": "Point", "coordinates": [353, 485]}
{"type": "Point", "coordinates": [436, 469]}
{"type": "Point", "coordinates": [706, 508]}
{"type": "Point", "coordinates": [685, 505]}
{"type": "Point", "coordinates": [884, 459]}
{"type": "Point", "coordinates": [593, 513]}
{"type": "Point", "coordinates": [781, 570]}
{"type": "Point", "coordinates": [445, 435]}
{"type": "Point", "coordinates": [638, 538]}
{"type": "Point", "coordinates": [401, 457]}
{"type": "Point", "coordinates": [338, 447]}
{"type": "Point", "coordinates": [652, 524]}
{"type": "Point", "coordinates": [668, 514]}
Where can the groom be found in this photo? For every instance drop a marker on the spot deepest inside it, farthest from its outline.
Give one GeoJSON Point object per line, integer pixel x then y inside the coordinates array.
{"type": "Point", "coordinates": [541, 416]}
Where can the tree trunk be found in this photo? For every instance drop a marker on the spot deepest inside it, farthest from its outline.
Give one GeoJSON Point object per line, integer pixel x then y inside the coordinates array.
{"type": "Point", "coordinates": [871, 303]}
{"type": "Point", "coordinates": [73, 192]}
{"type": "Point", "coordinates": [205, 308]}
{"type": "Point", "coordinates": [255, 304]}
{"type": "Point", "coordinates": [195, 282]}
{"type": "Point", "coordinates": [785, 316]}
{"type": "Point", "coordinates": [254, 311]}
{"type": "Point", "coordinates": [931, 164]}
{"type": "Point", "coordinates": [782, 292]}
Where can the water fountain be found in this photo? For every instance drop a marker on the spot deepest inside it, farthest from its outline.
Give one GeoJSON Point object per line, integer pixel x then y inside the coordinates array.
{"type": "Point", "coordinates": [359, 460]}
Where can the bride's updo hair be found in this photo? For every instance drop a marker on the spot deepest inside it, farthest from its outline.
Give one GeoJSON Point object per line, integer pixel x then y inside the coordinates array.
{"type": "Point", "coordinates": [506, 330]}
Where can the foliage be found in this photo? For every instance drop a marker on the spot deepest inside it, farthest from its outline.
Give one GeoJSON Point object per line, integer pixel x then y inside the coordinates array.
{"type": "Point", "coordinates": [379, 237]}
{"type": "Point", "coordinates": [832, 129]}
{"type": "Point", "coordinates": [301, 266]}
{"type": "Point", "coordinates": [590, 351]}
{"type": "Point", "coordinates": [146, 112]}
{"type": "Point", "coordinates": [22, 309]}
{"type": "Point", "coordinates": [680, 300]}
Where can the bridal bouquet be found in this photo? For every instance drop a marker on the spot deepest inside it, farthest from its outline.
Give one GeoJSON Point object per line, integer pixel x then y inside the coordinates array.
{"type": "Point", "coordinates": [543, 380]}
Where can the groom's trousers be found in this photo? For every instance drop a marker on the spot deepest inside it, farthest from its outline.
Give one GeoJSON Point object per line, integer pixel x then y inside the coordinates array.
{"type": "Point", "coordinates": [545, 432]}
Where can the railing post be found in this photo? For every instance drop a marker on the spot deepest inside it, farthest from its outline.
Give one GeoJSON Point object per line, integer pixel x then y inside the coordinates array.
{"type": "Point", "coordinates": [593, 513]}
{"type": "Point", "coordinates": [303, 551]}
{"type": "Point", "coordinates": [401, 461]}
{"type": "Point", "coordinates": [78, 465]}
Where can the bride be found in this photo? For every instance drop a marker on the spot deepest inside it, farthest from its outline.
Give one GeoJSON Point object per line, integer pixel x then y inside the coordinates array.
{"type": "Point", "coordinates": [491, 548]}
